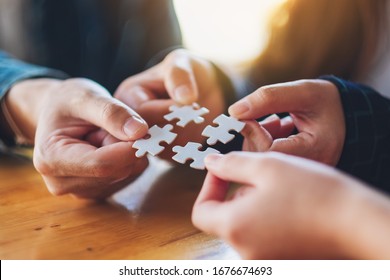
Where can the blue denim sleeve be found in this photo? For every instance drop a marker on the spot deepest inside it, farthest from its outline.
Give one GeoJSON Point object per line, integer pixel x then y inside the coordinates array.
{"type": "Point", "coordinates": [13, 70]}
{"type": "Point", "coordinates": [366, 152]}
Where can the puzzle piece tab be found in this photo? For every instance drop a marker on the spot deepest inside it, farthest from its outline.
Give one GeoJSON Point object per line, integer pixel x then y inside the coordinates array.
{"type": "Point", "coordinates": [191, 151]}
{"type": "Point", "coordinates": [221, 132]}
{"type": "Point", "coordinates": [152, 145]}
{"type": "Point", "coordinates": [186, 114]}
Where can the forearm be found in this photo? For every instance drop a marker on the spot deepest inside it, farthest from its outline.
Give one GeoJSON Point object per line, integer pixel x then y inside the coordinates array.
{"type": "Point", "coordinates": [365, 226]}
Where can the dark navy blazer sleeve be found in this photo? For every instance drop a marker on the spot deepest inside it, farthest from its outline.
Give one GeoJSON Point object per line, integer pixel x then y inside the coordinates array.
{"type": "Point", "coordinates": [366, 152]}
{"type": "Point", "coordinates": [13, 70]}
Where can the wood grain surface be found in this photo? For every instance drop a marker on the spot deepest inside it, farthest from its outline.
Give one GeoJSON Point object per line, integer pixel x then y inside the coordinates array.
{"type": "Point", "coordinates": [149, 219]}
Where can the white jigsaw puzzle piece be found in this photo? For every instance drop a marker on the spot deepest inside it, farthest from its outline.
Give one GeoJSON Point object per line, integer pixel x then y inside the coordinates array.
{"type": "Point", "coordinates": [152, 145]}
{"type": "Point", "coordinates": [186, 114]}
{"type": "Point", "coordinates": [221, 132]}
{"type": "Point", "coordinates": [191, 151]}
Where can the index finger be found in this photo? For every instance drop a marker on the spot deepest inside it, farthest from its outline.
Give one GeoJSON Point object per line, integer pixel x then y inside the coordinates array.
{"type": "Point", "coordinates": [179, 78]}
{"type": "Point", "coordinates": [173, 78]}
{"type": "Point", "coordinates": [71, 157]}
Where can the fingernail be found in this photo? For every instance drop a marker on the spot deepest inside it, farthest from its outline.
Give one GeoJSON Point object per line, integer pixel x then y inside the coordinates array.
{"type": "Point", "coordinates": [133, 125]}
{"type": "Point", "coordinates": [239, 108]}
{"type": "Point", "coordinates": [183, 94]}
{"type": "Point", "coordinates": [212, 160]}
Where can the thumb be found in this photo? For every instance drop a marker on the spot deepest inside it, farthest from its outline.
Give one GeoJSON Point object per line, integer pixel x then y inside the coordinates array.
{"type": "Point", "coordinates": [110, 114]}
{"type": "Point", "coordinates": [238, 167]}
{"type": "Point", "coordinates": [288, 97]}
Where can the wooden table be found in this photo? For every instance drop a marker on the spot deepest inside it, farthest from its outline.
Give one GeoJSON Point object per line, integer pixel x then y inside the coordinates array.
{"type": "Point", "coordinates": [149, 219]}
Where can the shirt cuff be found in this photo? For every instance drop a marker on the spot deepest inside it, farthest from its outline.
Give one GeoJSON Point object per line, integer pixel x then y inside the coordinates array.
{"type": "Point", "coordinates": [13, 71]}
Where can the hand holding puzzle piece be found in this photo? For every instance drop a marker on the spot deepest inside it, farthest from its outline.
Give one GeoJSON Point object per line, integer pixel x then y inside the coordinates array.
{"type": "Point", "coordinates": [191, 151]}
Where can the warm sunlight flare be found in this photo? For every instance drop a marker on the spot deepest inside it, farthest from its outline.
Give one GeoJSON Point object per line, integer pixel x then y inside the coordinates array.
{"type": "Point", "coordinates": [229, 31]}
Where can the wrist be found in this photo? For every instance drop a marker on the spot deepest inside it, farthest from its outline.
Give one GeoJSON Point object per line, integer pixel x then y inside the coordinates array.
{"type": "Point", "coordinates": [23, 104]}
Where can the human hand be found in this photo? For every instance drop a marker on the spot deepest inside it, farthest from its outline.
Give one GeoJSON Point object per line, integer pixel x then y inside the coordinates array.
{"type": "Point", "coordinates": [83, 136]}
{"type": "Point", "coordinates": [308, 212]}
{"type": "Point", "coordinates": [315, 111]}
{"type": "Point", "coordinates": [180, 78]}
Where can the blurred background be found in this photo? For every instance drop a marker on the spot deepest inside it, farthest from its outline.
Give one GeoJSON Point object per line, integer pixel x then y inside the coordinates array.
{"type": "Point", "coordinates": [229, 31]}
{"type": "Point", "coordinates": [269, 41]}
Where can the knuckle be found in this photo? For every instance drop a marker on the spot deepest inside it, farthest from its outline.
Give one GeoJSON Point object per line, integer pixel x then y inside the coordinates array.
{"type": "Point", "coordinates": [305, 84]}
{"type": "Point", "coordinates": [41, 162]}
{"type": "Point", "coordinates": [175, 54]}
{"type": "Point", "coordinates": [310, 90]}
{"type": "Point", "coordinates": [179, 63]}
{"type": "Point", "coordinates": [111, 111]}
{"type": "Point", "coordinates": [79, 96]}
{"type": "Point", "coordinates": [126, 86]}
{"type": "Point", "coordinates": [266, 94]}
{"type": "Point", "coordinates": [102, 170]}
{"type": "Point", "coordinates": [82, 91]}
{"type": "Point", "coordinates": [177, 71]}
{"type": "Point", "coordinates": [42, 166]}
{"type": "Point", "coordinates": [80, 86]}
{"type": "Point", "coordinates": [136, 90]}
{"type": "Point", "coordinates": [48, 158]}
